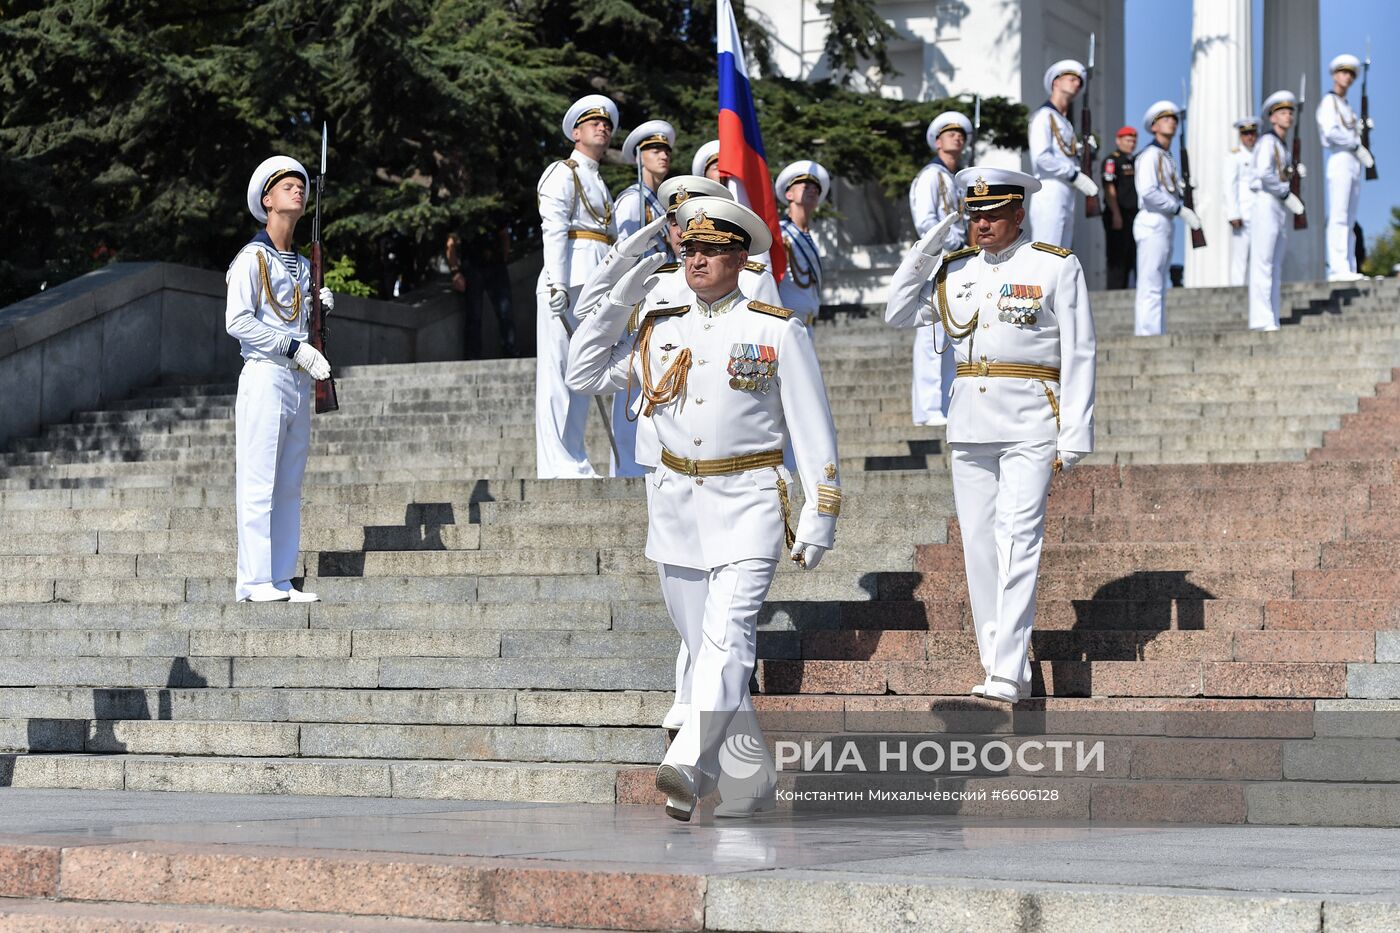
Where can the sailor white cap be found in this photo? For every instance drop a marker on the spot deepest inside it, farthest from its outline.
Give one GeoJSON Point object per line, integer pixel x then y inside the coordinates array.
{"type": "Point", "coordinates": [705, 156]}
{"type": "Point", "coordinates": [678, 189]}
{"type": "Point", "coordinates": [804, 170]}
{"type": "Point", "coordinates": [649, 135]}
{"type": "Point", "coordinates": [1345, 62]}
{"type": "Point", "coordinates": [268, 174]}
{"type": "Point", "coordinates": [721, 222]}
{"type": "Point", "coordinates": [948, 120]}
{"type": "Point", "coordinates": [986, 188]}
{"type": "Point", "coordinates": [1163, 108]}
{"type": "Point", "coordinates": [1065, 66]}
{"type": "Point", "coordinates": [588, 107]}
{"type": "Point", "coordinates": [1277, 101]}
{"type": "Point", "coordinates": [1247, 123]}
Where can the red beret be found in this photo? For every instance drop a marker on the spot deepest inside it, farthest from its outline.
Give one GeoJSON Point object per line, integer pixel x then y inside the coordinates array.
{"type": "Point", "coordinates": [1125, 131]}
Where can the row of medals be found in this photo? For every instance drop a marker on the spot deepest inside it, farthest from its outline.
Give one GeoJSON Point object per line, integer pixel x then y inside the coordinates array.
{"type": "Point", "coordinates": [750, 374]}
{"type": "Point", "coordinates": [1018, 311]}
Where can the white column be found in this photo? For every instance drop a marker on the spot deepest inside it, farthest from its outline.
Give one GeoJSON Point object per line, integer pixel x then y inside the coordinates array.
{"type": "Point", "coordinates": [1291, 47]}
{"type": "Point", "coordinates": [1222, 79]}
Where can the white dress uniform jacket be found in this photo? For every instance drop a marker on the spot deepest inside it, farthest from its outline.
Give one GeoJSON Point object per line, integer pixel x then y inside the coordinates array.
{"type": "Point", "coordinates": [801, 287]}
{"type": "Point", "coordinates": [1239, 205]}
{"type": "Point", "coordinates": [1160, 192]}
{"type": "Point", "coordinates": [1268, 230]}
{"type": "Point", "coordinates": [1340, 130]}
{"type": "Point", "coordinates": [634, 202]}
{"type": "Point", "coordinates": [577, 225]}
{"type": "Point", "coordinates": [1054, 151]}
{"type": "Point", "coordinates": [932, 197]}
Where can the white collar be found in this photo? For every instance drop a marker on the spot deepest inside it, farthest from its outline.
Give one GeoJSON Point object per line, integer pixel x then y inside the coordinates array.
{"type": "Point", "coordinates": [1007, 253]}
{"type": "Point", "coordinates": [584, 161]}
{"type": "Point", "coordinates": [720, 306]}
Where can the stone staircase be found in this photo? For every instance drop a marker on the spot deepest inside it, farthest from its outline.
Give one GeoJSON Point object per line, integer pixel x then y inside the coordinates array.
{"type": "Point", "coordinates": [1227, 623]}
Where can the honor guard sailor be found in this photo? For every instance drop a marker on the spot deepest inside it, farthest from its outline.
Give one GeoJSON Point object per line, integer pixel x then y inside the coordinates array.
{"type": "Point", "coordinates": [648, 147]}
{"type": "Point", "coordinates": [577, 227]}
{"type": "Point", "coordinates": [1239, 199]}
{"type": "Point", "coordinates": [706, 161]}
{"type": "Point", "coordinates": [1340, 129]}
{"type": "Point", "coordinates": [933, 197]}
{"type": "Point", "coordinates": [1055, 157]}
{"type": "Point", "coordinates": [1272, 211]}
{"type": "Point", "coordinates": [727, 383]}
{"type": "Point", "coordinates": [1018, 314]}
{"type": "Point", "coordinates": [802, 186]}
{"type": "Point", "coordinates": [269, 305]}
{"type": "Point", "coordinates": [1160, 199]}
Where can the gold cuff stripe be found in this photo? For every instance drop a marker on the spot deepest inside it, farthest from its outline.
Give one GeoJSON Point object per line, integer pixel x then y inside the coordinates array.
{"type": "Point", "coordinates": [590, 235]}
{"type": "Point", "coordinates": [828, 499]}
{"type": "Point", "coordinates": [722, 466]}
{"type": "Point", "coordinates": [1009, 370]}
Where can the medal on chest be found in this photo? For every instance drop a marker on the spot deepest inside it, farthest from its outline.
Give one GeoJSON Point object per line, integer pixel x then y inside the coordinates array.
{"type": "Point", "coordinates": [752, 367]}
{"type": "Point", "coordinates": [1018, 304]}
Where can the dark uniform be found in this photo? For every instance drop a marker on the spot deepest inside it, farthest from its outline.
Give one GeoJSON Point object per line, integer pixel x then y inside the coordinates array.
{"type": "Point", "coordinates": [1119, 244]}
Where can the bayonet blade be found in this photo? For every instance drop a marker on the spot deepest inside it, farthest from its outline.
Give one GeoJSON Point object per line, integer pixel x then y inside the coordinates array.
{"type": "Point", "coordinates": [1091, 51]}
{"type": "Point", "coordinates": [1367, 62]}
{"type": "Point", "coordinates": [977, 112]}
{"type": "Point", "coordinates": [323, 147]}
{"type": "Point", "coordinates": [1302, 91]}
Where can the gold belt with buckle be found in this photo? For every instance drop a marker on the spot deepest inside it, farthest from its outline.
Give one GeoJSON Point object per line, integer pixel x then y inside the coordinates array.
{"type": "Point", "coordinates": [1009, 370]}
{"type": "Point", "coordinates": [590, 235]}
{"type": "Point", "coordinates": [722, 466]}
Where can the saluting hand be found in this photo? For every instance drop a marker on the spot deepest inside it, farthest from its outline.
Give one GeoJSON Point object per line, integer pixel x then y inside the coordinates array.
{"type": "Point", "coordinates": [639, 241]}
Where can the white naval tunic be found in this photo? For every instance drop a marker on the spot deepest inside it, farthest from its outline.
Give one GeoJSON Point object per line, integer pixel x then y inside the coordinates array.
{"type": "Point", "coordinates": [1160, 191]}
{"type": "Point", "coordinates": [1239, 205]}
{"type": "Point", "coordinates": [801, 287]}
{"type": "Point", "coordinates": [1004, 432]}
{"type": "Point", "coordinates": [577, 226]}
{"type": "Point", "coordinates": [1340, 130]}
{"type": "Point", "coordinates": [635, 207]}
{"type": "Point", "coordinates": [1054, 151]}
{"type": "Point", "coordinates": [272, 413]}
{"type": "Point", "coordinates": [1268, 230]}
{"type": "Point", "coordinates": [932, 197]}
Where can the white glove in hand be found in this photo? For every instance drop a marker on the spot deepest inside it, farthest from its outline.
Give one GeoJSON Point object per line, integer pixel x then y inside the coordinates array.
{"type": "Point", "coordinates": [806, 555]}
{"type": "Point", "coordinates": [327, 299]}
{"type": "Point", "coordinates": [1370, 123]}
{"type": "Point", "coordinates": [1085, 185]}
{"type": "Point", "coordinates": [1294, 205]}
{"type": "Point", "coordinates": [1363, 155]}
{"type": "Point", "coordinates": [1093, 141]}
{"type": "Point", "coordinates": [1068, 458]}
{"type": "Point", "coordinates": [1193, 220]}
{"type": "Point", "coordinates": [1301, 169]}
{"type": "Point", "coordinates": [931, 243]}
{"type": "Point", "coordinates": [634, 286]}
{"type": "Point", "coordinates": [558, 300]}
{"type": "Point", "coordinates": [639, 241]}
{"type": "Point", "coordinates": [311, 360]}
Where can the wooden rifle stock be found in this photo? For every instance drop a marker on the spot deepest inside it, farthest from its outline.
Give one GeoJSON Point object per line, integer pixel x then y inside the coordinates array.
{"type": "Point", "coordinates": [1295, 181]}
{"type": "Point", "coordinates": [325, 389]}
{"type": "Point", "coordinates": [1188, 196]}
{"type": "Point", "coordinates": [1371, 173]}
{"type": "Point", "coordinates": [1087, 153]}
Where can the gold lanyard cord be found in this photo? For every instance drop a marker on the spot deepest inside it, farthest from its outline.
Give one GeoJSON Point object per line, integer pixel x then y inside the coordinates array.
{"type": "Point", "coordinates": [673, 381]}
{"type": "Point", "coordinates": [277, 307]}
{"type": "Point", "coordinates": [954, 330]}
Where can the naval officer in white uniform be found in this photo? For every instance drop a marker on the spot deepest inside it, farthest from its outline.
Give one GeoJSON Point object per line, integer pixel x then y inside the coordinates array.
{"type": "Point", "coordinates": [269, 305]}
{"type": "Point", "coordinates": [1239, 199]}
{"type": "Point", "coordinates": [1272, 212]}
{"type": "Point", "coordinates": [577, 227]}
{"type": "Point", "coordinates": [1023, 402]}
{"type": "Point", "coordinates": [802, 186]}
{"type": "Point", "coordinates": [1340, 129]}
{"type": "Point", "coordinates": [1054, 151]}
{"type": "Point", "coordinates": [1161, 198]}
{"type": "Point", "coordinates": [727, 383]}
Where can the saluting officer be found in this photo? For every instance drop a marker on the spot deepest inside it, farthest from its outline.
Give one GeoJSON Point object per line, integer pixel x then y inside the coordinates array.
{"type": "Point", "coordinates": [932, 197]}
{"type": "Point", "coordinates": [1340, 130]}
{"type": "Point", "coordinates": [269, 304]}
{"type": "Point", "coordinates": [576, 222]}
{"type": "Point", "coordinates": [1023, 402]}
{"type": "Point", "coordinates": [1272, 212]}
{"type": "Point", "coordinates": [1161, 194]}
{"type": "Point", "coordinates": [803, 186]}
{"type": "Point", "coordinates": [1239, 199]}
{"type": "Point", "coordinates": [1055, 157]}
{"type": "Point", "coordinates": [727, 383]}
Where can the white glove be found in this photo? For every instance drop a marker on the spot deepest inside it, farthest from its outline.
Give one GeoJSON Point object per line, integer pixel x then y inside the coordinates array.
{"type": "Point", "coordinates": [639, 241]}
{"type": "Point", "coordinates": [807, 556]}
{"type": "Point", "coordinates": [1085, 185]}
{"type": "Point", "coordinates": [558, 300]}
{"type": "Point", "coordinates": [1370, 123]}
{"type": "Point", "coordinates": [1363, 155]}
{"type": "Point", "coordinates": [1294, 205]}
{"type": "Point", "coordinates": [1301, 169]}
{"type": "Point", "coordinates": [1092, 140]}
{"type": "Point", "coordinates": [311, 360]}
{"type": "Point", "coordinates": [931, 243]}
{"type": "Point", "coordinates": [327, 299]}
{"type": "Point", "coordinates": [1193, 220]}
{"type": "Point", "coordinates": [637, 282]}
{"type": "Point", "coordinates": [1068, 458]}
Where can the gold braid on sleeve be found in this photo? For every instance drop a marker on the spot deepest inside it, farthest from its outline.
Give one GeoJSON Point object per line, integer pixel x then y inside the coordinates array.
{"type": "Point", "coordinates": [672, 383]}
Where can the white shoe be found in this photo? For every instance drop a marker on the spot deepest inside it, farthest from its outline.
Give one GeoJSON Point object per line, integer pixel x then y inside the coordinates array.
{"type": "Point", "coordinates": [301, 596]}
{"type": "Point", "coordinates": [1002, 691]}
{"type": "Point", "coordinates": [681, 788]}
{"type": "Point", "coordinates": [675, 716]}
{"type": "Point", "coordinates": [741, 807]}
{"type": "Point", "coordinates": [979, 690]}
{"type": "Point", "coordinates": [264, 593]}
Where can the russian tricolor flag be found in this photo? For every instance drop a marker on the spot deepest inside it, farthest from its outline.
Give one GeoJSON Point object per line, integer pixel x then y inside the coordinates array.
{"type": "Point", "coordinates": [741, 155]}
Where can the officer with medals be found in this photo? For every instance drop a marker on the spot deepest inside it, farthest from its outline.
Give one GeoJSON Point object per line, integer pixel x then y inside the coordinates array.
{"type": "Point", "coordinates": [726, 383]}
{"type": "Point", "coordinates": [577, 227]}
{"type": "Point", "coordinates": [649, 148]}
{"type": "Point", "coordinates": [1273, 210]}
{"type": "Point", "coordinates": [933, 197]}
{"type": "Point", "coordinates": [1239, 199]}
{"type": "Point", "coordinates": [802, 186]}
{"type": "Point", "coordinates": [1161, 194]}
{"type": "Point", "coordinates": [1018, 314]}
{"type": "Point", "coordinates": [1340, 129]}
{"type": "Point", "coordinates": [268, 307]}
{"type": "Point", "coordinates": [1055, 157]}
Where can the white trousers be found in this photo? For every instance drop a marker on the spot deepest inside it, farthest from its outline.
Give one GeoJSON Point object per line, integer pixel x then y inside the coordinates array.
{"type": "Point", "coordinates": [716, 613]}
{"type": "Point", "coordinates": [1239, 250]}
{"type": "Point", "coordinates": [933, 375]}
{"type": "Point", "coordinates": [624, 460]}
{"type": "Point", "coordinates": [1343, 195]}
{"type": "Point", "coordinates": [272, 421]}
{"type": "Point", "coordinates": [1000, 491]}
{"type": "Point", "coordinates": [1153, 233]}
{"type": "Point", "coordinates": [561, 416]}
{"type": "Point", "coordinates": [1268, 242]}
{"type": "Point", "coordinates": [1052, 213]}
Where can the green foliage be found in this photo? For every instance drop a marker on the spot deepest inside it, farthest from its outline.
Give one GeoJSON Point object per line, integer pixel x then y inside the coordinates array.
{"type": "Point", "coordinates": [340, 278]}
{"type": "Point", "coordinates": [131, 126]}
{"type": "Point", "coordinates": [857, 34]}
{"type": "Point", "coordinates": [1384, 254]}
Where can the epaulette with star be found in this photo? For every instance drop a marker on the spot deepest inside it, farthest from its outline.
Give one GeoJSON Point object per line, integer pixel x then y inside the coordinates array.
{"type": "Point", "coordinates": [668, 267]}
{"type": "Point", "coordinates": [774, 310]}
{"type": "Point", "coordinates": [667, 312]}
{"type": "Point", "coordinates": [1060, 251]}
{"type": "Point", "coordinates": [961, 253]}
{"type": "Point", "coordinates": [758, 267]}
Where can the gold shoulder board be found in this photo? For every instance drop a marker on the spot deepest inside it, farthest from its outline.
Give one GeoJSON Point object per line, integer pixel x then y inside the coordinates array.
{"type": "Point", "coordinates": [571, 163]}
{"type": "Point", "coordinates": [1057, 250]}
{"type": "Point", "coordinates": [668, 267]}
{"type": "Point", "coordinates": [667, 312]}
{"type": "Point", "coordinates": [755, 267]}
{"type": "Point", "coordinates": [961, 253]}
{"type": "Point", "coordinates": [774, 310]}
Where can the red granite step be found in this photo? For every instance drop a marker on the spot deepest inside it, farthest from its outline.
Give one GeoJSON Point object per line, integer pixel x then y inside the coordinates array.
{"type": "Point", "coordinates": [1145, 584]}
{"type": "Point", "coordinates": [1302, 525]}
{"type": "Point", "coordinates": [1349, 583]}
{"type": "Point", "coordinates": [1125, 557]}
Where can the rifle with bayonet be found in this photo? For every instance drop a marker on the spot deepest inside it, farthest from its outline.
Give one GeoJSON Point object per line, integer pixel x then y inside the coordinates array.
{"type": "Point", "coordinates": [1188, 194]}
{"type": "Point", "coordinates": [977, 130]}
{"type": "Point", "coordinates": [1371, 173]}
{"type": "Point", "coordinates": [1295, 180]}
{"type": "Point", "coordinates": [325, 389]}
{"type": "Point", "coordinates": [1088, 152]}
